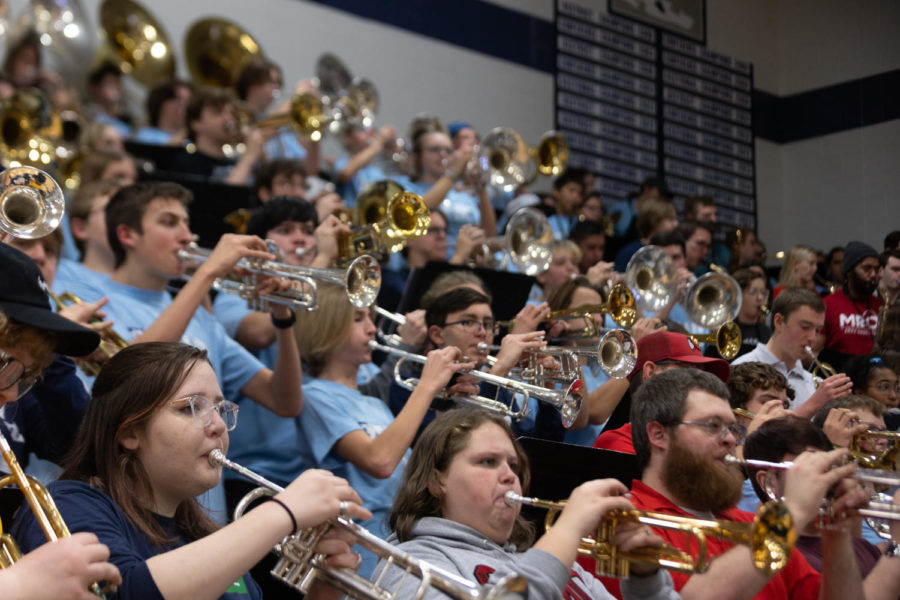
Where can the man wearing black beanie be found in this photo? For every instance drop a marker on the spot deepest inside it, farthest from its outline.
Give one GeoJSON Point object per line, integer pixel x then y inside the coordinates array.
{"type": "Point", "coordinates": [851, 313]}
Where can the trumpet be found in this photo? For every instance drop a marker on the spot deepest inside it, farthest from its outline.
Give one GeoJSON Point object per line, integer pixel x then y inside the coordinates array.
{"type": "Point", "coordinates": [820, 370]}
{"type": "Point", "coordinates": [875, 513]}
{"type": "Point", "coordinates": [886, 460]}
{"type": "Point", "coordinates": [620, 307]}
{"type": "Point", "coordinates": [615, 354]}
{"type": "Point", "coordinates": [42, 507]}
{"type": "Point", "coordinates": [652, 278]}
{"type": "Point", "coordinates": [299, 565]}
{"type": "Point", "coordinates": [506, 162]}
{"type": "Point", "coordinates": [404, 216]}
{"type": "Point", "coordinates": [528, 243]}
{"type": "Point", "coordinates": [567, 402]}
{"type": "Point", "coordinates": [727, 338]}
{"type": "Point", "coordinates": [713, 299]}
{"type": "Point", "coordinates": [31, 203]}
{"type": "Point", "coordinates": [110, 341]}
{"type": "Point", "coordinates": [771, 538]}
{"type": "Point", "coordinates": [361, 279]}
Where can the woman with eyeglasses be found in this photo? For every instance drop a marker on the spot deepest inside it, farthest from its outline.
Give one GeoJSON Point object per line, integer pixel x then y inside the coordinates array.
{"type": "Point", "coordinates": [876, 376]}
{"type": "Point", "coordinates": [353, 435]}
{"type": "Point", "coordinates": [436, 169]}
{"type": "Point", "coordinates": [140, 459]}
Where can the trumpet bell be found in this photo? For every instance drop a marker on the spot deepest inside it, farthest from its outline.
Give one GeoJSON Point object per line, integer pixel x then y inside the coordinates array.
{"type": "Point", "coordinates": [713, 299]}
{"type": "Point", "coordinates": [652, 278]}
{"type": "Point", "coordinates": [617, 353]}
{"type": "Point", "coordinates": [371, 205]}
{"type": "Point", "coordinates": [31, 203]}
{"type": "Point", "coordinates": [307, 115]}
{"type": "Point", "coordinates": [363, 281]}
{"type": "Point", "coordinates": [529, 240]}
{"type": "Point", "coordinates": [551, 154]}
{"type": "Point", "coordinates": [772, 538]}
{"type": "Point", "coordinates": [409, 217]}
{"type": "Point", "coordinates": [621, 305]}
{"type": "Point", "coordinates": [216, 50]}
{"type": "Point", "coordinates": [507, 159]}
{"type": "Point", "coordinates": [140, 45]}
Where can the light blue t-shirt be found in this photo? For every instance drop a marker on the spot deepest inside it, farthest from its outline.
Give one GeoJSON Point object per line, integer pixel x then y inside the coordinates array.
{"type": "Point", "coordinates": [285, 144]}
{"type": "Point", "coordinates": [460, 207]}
{"type": "Point", "coordinates": [586, 435]}
{"type": "Point", "coordinates": [134, 309]}
{"type": "Point", "coordinates": [561, 225]}
{"type": "Point", "coordinates": [351, 190]}
{"type": "Point", "coordinates": [330, 412]}
{"type": "Point", "coordinates": [72, 276]}
{"type": "Point", "coordinates": [153, 136]}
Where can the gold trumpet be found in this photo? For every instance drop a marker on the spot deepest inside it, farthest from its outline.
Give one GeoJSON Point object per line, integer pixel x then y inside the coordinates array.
{"type": "Point", "coordinates": [886, 460]}
{"type": "Point", "coordinates": [405, 216]}
{"type": "Point", "coordinates": [42, 507]}
{"type": "Point", "coordinates": [299, 565]}
{"type": "Point", "coordinates": [820, 370]}
{"type": "Point", "coordinates": [727, 338]}
{"type": "Point", "coordinates": [771, 538]}
{"type": "Point", "coordinates": [567, 401]}
{"type": "Point", "coordinates": [110, 341]}
{"type": "Point", "coordinates": [620, 307]}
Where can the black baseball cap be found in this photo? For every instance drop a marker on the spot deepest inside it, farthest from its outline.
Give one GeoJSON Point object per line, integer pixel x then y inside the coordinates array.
{"type": "Point", "coordinates": [23, 298]}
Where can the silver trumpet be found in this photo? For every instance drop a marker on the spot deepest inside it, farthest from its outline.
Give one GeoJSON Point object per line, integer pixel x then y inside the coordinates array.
{"type": "Point", "coordinates": [361, 279]}
{"type": "Point", "coordinates": [299, 565]}
{"type": "Point", "coordinates": [567, 402]}
{"type": "Point", "coordinates": [877, 513]}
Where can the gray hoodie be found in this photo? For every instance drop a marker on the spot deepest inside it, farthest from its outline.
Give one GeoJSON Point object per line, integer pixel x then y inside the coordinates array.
{"type": "Point", "coordinates": [462, 550]}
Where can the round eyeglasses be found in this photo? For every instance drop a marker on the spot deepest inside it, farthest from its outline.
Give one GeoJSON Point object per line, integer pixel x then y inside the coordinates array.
{"type": "Point", "coordinates": [202, 409]}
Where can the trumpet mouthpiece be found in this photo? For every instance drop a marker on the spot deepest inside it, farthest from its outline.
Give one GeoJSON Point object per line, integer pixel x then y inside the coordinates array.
{"type": "Point", "coordinates": [217, 458]}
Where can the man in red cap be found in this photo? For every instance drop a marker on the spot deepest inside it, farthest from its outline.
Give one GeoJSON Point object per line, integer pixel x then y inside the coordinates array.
{"type": "Point", "coordinates": [657, 353]}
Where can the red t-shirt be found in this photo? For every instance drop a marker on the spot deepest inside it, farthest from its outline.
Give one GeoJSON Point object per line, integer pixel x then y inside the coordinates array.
{"type": "Point", "coordinates": [616, 439]}
{"type": "Point", "coordinates": [797, 581]}
{"type": "Point", "coordinates": [850, 328]}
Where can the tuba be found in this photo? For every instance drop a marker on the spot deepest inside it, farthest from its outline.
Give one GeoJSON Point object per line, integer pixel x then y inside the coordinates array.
{"type": "Point", "coordinates": [216, 50]}
{"type": "Point", "coordinates": [137, 41]}
{"type": "Point", "coordinates": [771, 538]}
{"type": "Point", "coordinates": [31, 203]}
{"type": "Point", "coordinates": [299, 566]}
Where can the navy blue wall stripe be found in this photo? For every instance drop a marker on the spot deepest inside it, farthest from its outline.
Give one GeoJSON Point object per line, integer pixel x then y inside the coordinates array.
{"type": "Point", "coordinates": [529, 41]}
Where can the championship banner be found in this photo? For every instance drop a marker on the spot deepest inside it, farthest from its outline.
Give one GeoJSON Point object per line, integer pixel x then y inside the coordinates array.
{"type": "Point", "coordinates": [635, 101]}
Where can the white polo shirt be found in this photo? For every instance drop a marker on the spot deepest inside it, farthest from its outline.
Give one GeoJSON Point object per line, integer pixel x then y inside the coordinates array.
{"type": "Point", "coordinates": [800, 380]}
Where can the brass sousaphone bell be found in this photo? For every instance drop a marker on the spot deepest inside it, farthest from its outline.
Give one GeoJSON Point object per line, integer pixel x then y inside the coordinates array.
{"type": "Point", "coordinates": [136, 41]}
{"type": "Point", "coordinates": [216, 50]}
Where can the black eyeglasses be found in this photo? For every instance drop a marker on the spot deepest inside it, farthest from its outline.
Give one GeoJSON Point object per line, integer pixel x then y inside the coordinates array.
{"type": "Point", "coordinates": [473, 325]}
{"type": "Point", "coordinates": [13, 371]}
{"type": "Point", "coordinates": [719, 429]}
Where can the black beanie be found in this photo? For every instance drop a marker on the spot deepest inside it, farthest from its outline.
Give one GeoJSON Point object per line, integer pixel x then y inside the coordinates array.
{"type": "Point", "coordinates": [855, 252]}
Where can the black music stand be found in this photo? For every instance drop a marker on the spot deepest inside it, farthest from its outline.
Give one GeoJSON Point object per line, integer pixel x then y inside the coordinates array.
{"type": "Point", "coordinates": [558, 468]}
{"type": "Point", "coordinates": [509, 290]}
{"type": "Point", "coordinates": [162, 157]}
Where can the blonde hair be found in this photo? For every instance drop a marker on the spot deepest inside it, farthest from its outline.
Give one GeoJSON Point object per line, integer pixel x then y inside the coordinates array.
{"type": "Point", "coordinates": [318, 332]}
{"type": "Point", "coordinates": [796, 254]}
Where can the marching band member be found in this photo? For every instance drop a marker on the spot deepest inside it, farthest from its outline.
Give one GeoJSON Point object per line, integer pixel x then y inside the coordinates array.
{"type": "Point", "coordinates": [451, 511]}
{"type": "Point", "coordinates": [140, 459]}
{"type": "Point", "coordinates": [798, 315]}
{"type": "Point", "coordinates": [167, 104]}
{"type": "Point", "coordinates": [346, 431]}
{"type": "Point", "coordinates": [42, 422]}
{"type": "Point", "coordinates": [683, 427]}
{"type": "Point", "coordinates": [753, 296]}
{"type": "Point", "coordinates": [798, 270]}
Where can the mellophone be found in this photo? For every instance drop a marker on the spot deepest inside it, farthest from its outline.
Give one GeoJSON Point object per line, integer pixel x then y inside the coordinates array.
{"type": "Point", "coordinates": [299, 565]}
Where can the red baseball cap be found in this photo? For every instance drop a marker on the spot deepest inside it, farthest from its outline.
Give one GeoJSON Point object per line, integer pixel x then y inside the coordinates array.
{"type": "Point", "coordinates": [668, 345]}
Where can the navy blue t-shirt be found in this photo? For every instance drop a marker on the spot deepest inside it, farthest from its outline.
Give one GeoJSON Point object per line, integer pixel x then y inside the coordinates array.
{"type": "Point", "coordinates": [84, 508]}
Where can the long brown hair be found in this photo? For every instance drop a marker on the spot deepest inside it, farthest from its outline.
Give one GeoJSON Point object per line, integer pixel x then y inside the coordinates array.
{"type": "Point", "coordinates": [442, 440]}
{"type": "Point", "coordinates": [130, 388]}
